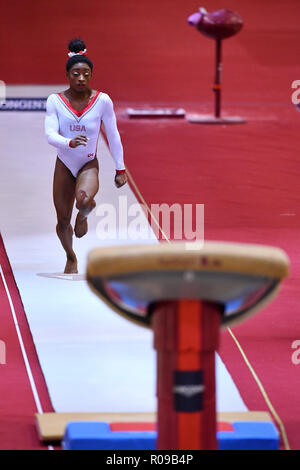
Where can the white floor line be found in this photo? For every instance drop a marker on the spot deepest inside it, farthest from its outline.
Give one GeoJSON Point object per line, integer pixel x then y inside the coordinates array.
{"type": "Point", "coordinates": [25, 357]}
{"type": "Point", "coordinates": [24, 354]}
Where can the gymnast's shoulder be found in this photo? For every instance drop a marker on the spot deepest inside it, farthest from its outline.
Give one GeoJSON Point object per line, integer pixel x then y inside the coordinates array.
{"type": "Point", "coordinates": [105, 97]}
{"type": "Point", "coordinates": [51, 101]}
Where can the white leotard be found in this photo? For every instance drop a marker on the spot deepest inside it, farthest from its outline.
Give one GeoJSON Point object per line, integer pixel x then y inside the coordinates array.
{"type": "Point", "coordinates": [63, 123]}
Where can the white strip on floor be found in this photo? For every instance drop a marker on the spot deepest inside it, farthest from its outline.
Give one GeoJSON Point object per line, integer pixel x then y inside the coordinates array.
{"type": "Point", "coordinates": [92, 359]}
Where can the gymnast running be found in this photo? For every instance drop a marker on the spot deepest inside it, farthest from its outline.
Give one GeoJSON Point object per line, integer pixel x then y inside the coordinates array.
{"type": "Point", "coordinates": [72, 126]}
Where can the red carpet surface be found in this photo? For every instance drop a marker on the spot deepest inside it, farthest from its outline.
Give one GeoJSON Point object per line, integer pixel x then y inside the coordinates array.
{"type": "Point", "coordinates": [22, 389]}
{"type": "Point", "coordinates": [250, 195]}
{"type": "Point", "coordinates": [145, 54]}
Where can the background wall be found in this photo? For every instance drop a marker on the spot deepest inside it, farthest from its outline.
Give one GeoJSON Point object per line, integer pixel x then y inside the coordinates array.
{"type": "Point", "coordinates": [144, 50]}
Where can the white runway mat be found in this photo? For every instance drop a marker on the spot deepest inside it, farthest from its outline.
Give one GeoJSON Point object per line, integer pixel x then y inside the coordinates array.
{"type": "Point", "coordinates": [92, 359]}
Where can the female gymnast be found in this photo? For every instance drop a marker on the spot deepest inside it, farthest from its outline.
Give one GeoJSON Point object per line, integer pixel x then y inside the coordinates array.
{"type": "Point", "coordinates": [72, 126]}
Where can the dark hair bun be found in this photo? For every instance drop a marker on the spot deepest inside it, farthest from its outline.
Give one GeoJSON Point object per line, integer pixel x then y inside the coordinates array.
{"type": "Point", "coordinates": [76, 45]}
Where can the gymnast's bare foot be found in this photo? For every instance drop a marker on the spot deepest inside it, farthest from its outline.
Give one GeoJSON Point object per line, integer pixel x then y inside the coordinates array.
{"type": "Point", "coordinates": [81, 226]}
{"type": "Point", "coordinates": [71, 265]}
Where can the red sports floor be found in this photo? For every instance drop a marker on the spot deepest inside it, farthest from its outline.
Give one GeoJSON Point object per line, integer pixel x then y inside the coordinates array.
{"type": "Point", "coordinates": [248, 197]}
{"type": "Point", "coordinates": [246, 175]}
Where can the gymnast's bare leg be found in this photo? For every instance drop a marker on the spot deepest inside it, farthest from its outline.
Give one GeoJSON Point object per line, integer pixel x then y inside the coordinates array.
{"type": "Point", "coordinates": [67, 188]}
{"type": "Point", "coordinates": [87, 185]}
{"type": "Point", "coordinates": [64, 185]}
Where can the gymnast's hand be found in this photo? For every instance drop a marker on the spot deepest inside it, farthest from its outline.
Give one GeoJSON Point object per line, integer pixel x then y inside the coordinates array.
{"type": "Point", "coordinates": [120, 179]}
{"type": "Point", "coordinates": [78, 140]}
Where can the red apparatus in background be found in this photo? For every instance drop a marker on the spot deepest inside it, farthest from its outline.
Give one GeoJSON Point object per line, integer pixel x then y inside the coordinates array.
{"type": "Point", "coordinates": [218, 25]}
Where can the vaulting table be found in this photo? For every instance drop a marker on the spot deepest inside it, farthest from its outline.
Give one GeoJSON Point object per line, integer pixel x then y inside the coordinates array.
{"type": "Point", "coordinates": [186, 294]}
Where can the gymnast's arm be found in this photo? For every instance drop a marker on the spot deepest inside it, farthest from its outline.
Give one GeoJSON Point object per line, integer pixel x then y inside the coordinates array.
{"type": "Point", "coordinates": [52, 126]}
{"type": "Point", "coordinates": [112, 134]}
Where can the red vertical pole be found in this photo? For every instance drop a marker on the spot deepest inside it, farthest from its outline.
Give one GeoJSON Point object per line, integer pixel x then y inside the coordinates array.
{"type": "Point", "coordinates": [217, 84]}
{"type": "Point", "coordinates": [186, 334]}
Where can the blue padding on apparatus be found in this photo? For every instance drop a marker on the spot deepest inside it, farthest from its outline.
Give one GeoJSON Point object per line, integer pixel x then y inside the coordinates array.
{"type": "Point", "coordinates": [250, 435]}
{"type": "Point", "coordinates": [98, 436]}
